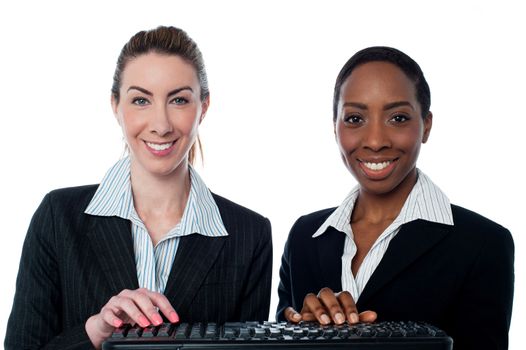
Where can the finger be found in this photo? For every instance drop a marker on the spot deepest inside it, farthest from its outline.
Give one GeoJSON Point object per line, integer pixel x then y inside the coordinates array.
{"type": "Point", "coordinates": [308, 316]}
{"type": "Point", "coordinates": [368, 316]}
{"type": "Point", "coordinates": [312, 304]}
{"type": "Point", "coordinates": [292, 315]}
{"type": "Point", "coordinates": [332, 304]}
{"type": "Point", "coordinates": [108, 320]}
{"type": "Point", "coordinates": [142, 298]}
{"type": "Point", "coordinates": [127, 304]}
{"type": "Point", "coordinates": [164, 306]}
{"type": "Point", "coordinates": [349, 307]}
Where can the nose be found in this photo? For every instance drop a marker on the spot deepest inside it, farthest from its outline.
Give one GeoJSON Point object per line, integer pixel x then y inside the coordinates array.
{"type": "Point", "coordinates": [376, 136]}
{"type": "Point", "coordinates": [160, 123]}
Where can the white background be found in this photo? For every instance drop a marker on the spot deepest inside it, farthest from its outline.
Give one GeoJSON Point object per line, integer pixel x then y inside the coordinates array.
{"type": "Point", "coordinates": [268, 139]}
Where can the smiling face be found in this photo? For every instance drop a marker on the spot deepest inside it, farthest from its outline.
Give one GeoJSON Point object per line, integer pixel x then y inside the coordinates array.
{"type": "Point", "coordinates": [159, 110]}
{"type": "Point", "coordinates": [379, 127]}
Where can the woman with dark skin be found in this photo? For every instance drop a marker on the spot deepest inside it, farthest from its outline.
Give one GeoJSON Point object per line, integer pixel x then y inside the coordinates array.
{"type": "Point", "coordinates": [396, 247]}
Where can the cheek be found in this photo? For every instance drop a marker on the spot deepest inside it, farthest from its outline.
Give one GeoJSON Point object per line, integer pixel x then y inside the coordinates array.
{"type": "Point", "coordinates": [129, 125]}
{"type": "Point", "coordinates": [188, 124]}
{"type": "Point", "coordinates": [347, 141]}
{"type": "Point", "coordinates": [409, 142]}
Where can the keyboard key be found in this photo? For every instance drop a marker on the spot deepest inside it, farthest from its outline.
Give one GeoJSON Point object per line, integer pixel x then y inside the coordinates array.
{"type": "Point", "coordinates": [166, 330]}
{"type": "Point", "coordinates": [181, 331]}
{"type": "Point", "coordinates": [134, 332]}
{"type": "Point", "coordinates": [121, 332]}
{"type": "Point", "coordinates": [150, 331]}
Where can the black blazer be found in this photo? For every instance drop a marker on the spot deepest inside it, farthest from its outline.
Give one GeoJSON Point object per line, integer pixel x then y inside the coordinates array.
{"type": "Point", "coordinates": [73, 263]}
{"type": "Point", "coordinates": [459, 278]}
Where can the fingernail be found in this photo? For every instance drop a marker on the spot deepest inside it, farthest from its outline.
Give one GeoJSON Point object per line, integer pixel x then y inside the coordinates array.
{"type": "Point", "coordinates": [339, 318]}
{"type": "Point", "coordinates": [354, 317]}
{"type": "Point", "coordinates": [325, 319]}
{"type": "Point", "coordinates": [173, 317]}
{"type": "Point", "coordinates": [157, 319]}
{"type": "Point", "coordinates": [117, 323]}
{"type": "Point", "coordinates": [143, 321]}
{"type": "Point", "coordinates": [296, 316]}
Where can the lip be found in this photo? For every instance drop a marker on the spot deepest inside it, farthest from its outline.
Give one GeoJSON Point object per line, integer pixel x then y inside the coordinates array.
{"type": "Point", "coordinates": [162, 152]}
{"type": "Point", "coordinates": [377, 174]}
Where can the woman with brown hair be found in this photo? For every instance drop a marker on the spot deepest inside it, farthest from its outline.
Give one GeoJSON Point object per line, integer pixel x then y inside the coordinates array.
{"type": "Point", "coordinates": [151, 242]}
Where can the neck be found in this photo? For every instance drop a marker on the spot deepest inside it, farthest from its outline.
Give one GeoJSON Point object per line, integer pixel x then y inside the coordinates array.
{"type": "Point", "coordinates": [377, 208]}
{"type": "Point", "coordinates": [160, 195]}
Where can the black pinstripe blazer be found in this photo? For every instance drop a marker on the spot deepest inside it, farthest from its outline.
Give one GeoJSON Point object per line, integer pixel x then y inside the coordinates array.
{"type": "Point", "coordinates": [458, 277]}
{"type": "Point", "coordinates": [73, 263]}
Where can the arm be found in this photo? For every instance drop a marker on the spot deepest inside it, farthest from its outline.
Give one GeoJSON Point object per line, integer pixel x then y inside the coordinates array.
{"type": "Point", "coordinates": [485, 301]}
{"type": "Point", "coordinates": [255, 304]}
{"type": "Point", "coordinates": [35, 320]}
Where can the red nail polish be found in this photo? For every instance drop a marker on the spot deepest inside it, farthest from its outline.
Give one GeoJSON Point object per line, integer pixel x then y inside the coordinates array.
{"type": "Point", "coordinates": [157, 319]}
{"type": "Point", "coordinates": [143, 321]}
{"type": "Point", "coordinates": [173, 317]}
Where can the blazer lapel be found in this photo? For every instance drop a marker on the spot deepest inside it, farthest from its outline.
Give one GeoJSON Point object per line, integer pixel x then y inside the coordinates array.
{"type": "Point", "coordinates": [413, 240]}
{"type": "Point", "coordinates": [195, 256]}
{"type": "Point", "coordinates": [110, 238]}
{"type": "Point", "coordinates": [329, 258]}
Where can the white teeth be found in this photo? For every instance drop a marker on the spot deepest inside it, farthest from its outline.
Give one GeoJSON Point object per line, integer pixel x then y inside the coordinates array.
{"type": "Point", "coordinates": [377, 166]}
{"type": "Point", "coordinates": [159, 147]}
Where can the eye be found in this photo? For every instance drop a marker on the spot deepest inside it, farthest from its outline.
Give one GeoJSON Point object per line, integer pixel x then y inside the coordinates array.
{"type": "Point", "coordinates": [140, 101]}
{"type": "Point", "coordinates": [353, 119]}
{"type": "Point", "coordinates": [179, 100]}
{"type": "Point", "coordinates": [399, 118]}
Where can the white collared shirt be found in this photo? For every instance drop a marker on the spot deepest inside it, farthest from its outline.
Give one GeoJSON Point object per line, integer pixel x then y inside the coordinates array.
{"type": "Point", "coordinates": [426, 201]}
{"type": "Point", "coordinates": [154, 263]}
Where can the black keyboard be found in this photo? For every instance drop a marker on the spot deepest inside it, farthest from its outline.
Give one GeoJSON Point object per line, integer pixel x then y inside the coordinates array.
{"type": "Point", "coordinates": [280, 335]}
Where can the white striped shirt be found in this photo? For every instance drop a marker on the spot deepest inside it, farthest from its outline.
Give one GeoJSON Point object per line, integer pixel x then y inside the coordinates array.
{"type": "Point", "coordinates": [201, 215]}
{"type": "Point", "coordinates": [426, 201]}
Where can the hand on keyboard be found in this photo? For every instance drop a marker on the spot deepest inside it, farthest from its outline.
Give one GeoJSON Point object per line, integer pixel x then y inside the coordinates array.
{"type": "Point", "coordinates": [329, 307]}
{"type": "Point", "coordinates": [140, 306]}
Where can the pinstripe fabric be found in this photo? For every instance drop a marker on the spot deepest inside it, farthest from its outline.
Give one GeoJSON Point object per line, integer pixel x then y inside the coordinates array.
{"type": "Point", "coordinates": [72, 263]}
{"type": "Point", "coordinates": [201, 215]}
{"type": "Point", "coordinates": [426, 201]}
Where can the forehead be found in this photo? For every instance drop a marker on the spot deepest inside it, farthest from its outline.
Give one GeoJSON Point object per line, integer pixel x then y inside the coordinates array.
{"type": "Point", "coordinates": [154, 70]}
{"type": "Point", "coordinates": [378, 81]}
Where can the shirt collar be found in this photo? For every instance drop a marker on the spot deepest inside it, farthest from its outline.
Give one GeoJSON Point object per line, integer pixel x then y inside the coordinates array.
{"type": "Point", "coordinates": [425, 201]}
{"type": "Point", "coordinates": [114, 198]}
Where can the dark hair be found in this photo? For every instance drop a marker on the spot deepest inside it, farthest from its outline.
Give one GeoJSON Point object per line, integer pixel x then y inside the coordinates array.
{"type": "Point", "coordinates": [391, 55]}
{"type": "Point", "coordinates": [163, 40]}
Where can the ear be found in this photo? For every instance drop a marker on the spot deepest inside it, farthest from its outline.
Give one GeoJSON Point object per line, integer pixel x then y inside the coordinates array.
{"type": "Point", "coordinates": [204, 108]}
{"type": "Point", "coordinates": [428, 123]}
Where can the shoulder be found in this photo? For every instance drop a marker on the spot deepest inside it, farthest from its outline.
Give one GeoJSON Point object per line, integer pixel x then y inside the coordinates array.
{"type": "Point", "coordinates": [466, 219]}
{"type": "Point", "coordinates": [60, 214]}
{"type": "Point", "coordinates": [71, 198]}
{"type": "Point", "coordinates": [479, 228]}
{"type": "Point", "coordinates": [234, 214]}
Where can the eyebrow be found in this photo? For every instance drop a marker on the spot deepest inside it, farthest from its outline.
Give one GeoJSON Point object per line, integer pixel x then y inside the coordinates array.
{"type": "Point", "coordinates": [149, 93]}
{"type": "Point", "coordinates": [386, 107]}
{"type": "Point", "coordinates": [398, 104]}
